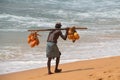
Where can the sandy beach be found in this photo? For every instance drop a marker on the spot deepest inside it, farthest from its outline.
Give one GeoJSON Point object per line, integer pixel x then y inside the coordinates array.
{"type": "Point", "coordinates": [98, 69]}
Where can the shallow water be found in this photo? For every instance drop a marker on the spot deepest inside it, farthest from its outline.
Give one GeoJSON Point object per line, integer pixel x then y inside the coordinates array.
{"type": "Point", "coordinates": [18, 55]}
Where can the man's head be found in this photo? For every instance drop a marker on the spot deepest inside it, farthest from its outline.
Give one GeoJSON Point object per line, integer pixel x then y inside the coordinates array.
{"type": "Point", "coordinates": [58, 25]}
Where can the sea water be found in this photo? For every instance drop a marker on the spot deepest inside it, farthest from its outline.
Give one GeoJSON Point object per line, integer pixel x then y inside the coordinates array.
{"type": "Point", "coordinates": [101, 39]}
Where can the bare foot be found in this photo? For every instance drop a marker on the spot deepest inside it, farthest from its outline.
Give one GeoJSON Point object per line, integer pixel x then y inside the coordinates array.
{"type": "Point", "coordinates": [58, 70]}
{"type": "Point", "coordinates": [50, 73]}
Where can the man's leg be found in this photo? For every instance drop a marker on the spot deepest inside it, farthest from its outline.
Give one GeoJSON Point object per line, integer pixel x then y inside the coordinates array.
{"type": "Point", "coordinates": [49, 65]}
{"type": "Point", "coordinates": [57, 63]}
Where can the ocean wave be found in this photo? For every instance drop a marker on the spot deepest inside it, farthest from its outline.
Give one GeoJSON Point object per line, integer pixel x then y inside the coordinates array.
{"type": "Point", "coordinates": [45, 13]}
{"type": "Point", "coordinates": [89, 8]}
{"type": "Point", "coordinates": [18, 18]}
{"type": "Point", "coordinates": [14, 30]}
{"type": "Point", "coordinates": [22, 22]}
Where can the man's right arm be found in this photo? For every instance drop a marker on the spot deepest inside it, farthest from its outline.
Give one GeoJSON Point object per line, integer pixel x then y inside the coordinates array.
{"type": "Point", "coordinates": [64, 36]}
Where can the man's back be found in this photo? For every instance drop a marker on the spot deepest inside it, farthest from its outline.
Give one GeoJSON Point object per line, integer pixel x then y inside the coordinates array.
{"type": "Point", "coordinates": [53, 36]}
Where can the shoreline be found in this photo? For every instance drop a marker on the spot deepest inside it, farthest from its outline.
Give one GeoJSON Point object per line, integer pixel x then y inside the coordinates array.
{"type": "Point", "coordinates": [19, 66]}
{"type": "Point", "coordinates": [96, 69]}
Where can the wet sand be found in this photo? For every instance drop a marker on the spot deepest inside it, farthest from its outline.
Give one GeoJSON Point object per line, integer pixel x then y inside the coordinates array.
{"type": "Point", "coordinates": [98, 69]}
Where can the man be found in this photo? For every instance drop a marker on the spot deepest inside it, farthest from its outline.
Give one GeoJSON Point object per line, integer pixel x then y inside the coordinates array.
{"type": "Point", "coordinates": [52, 50]}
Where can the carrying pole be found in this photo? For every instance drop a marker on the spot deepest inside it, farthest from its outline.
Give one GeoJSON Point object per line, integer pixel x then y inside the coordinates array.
{"type": "Point", "coordinates": [49, 29]}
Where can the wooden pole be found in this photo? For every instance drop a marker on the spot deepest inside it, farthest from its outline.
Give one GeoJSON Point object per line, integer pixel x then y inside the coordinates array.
{"type": "Point", "coordinates": [49, 29]}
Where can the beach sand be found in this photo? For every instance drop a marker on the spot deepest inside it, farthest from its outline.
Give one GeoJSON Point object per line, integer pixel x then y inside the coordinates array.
{"type": "Point", "coordinates": [98, 69]}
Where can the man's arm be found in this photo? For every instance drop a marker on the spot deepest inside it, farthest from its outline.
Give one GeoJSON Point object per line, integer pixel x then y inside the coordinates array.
{"type": "Point", "coordinates": [64, 36]}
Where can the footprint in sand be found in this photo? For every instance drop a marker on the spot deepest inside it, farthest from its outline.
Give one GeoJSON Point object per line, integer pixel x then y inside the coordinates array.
{"type": "Point", "coordinates": [109, 71]}
{"type": "Point", "coordinates": [105, 72]}
{"type": "Point", "coordinates": [91, 75]}
{"type": "Point", "coordinates": [100, 79]}
{"type": "Point", "coordinates": [109, 76]}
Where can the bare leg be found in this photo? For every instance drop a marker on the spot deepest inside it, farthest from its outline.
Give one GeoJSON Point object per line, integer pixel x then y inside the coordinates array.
{"type": "Point", "coordinates": [49, 65]}
{"type": "Point", "coordinates": [57, 63]}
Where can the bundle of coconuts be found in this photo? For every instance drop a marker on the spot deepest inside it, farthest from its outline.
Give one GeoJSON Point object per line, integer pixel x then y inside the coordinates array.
{"type": "Point", "coordinates": [72, 34]}
{"type": "Point", "coordinates": [33, 39]}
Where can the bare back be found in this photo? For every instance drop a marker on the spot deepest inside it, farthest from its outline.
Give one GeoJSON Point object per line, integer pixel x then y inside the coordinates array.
{"type": "Point", "coordinates": [54, 35]}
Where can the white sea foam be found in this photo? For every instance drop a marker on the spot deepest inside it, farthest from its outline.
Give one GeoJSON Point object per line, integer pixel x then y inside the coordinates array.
{"type": "Point", "coordinates": [26, 21]}
{"type": "Point", "coordinates": [15, 66]}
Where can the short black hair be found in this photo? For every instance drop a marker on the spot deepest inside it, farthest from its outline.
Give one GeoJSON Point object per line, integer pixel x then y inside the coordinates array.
{"type": "Point", "coordinates": [58, 25]}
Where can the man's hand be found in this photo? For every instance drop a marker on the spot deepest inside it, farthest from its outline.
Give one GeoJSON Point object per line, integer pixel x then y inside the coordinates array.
{"type": "Point", "coordinates": [67, 29]}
